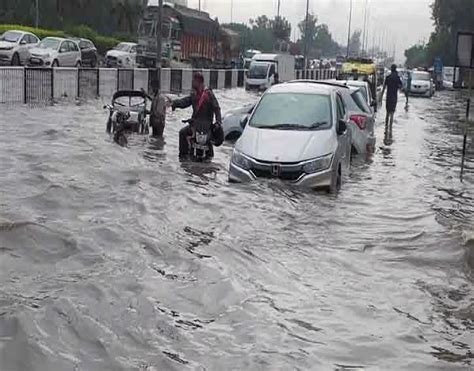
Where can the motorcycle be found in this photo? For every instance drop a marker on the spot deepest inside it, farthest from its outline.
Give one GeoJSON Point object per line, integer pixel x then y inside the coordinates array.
{"type": "Point", "coordinates": [200, 141]}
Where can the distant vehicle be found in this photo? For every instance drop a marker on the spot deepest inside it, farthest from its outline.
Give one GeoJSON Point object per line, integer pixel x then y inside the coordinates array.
{"type": "Point", "coordinates": [340, 61]}
{"type": "Point", "coordinates": [363, 69]}
{"type": "Point", "coordinates": [190, 36]}
{"type": "Point", "coordinates": [15, 47]}
{"type": "Point", "coordinates": [231, 123]}
{"type": "Point", "coordinates": [269, 69]}
{"type": "Point", "coordinates": [122, 56]}
{"type": "Point", "coordinates": [422, 84]}
{"type": "Point", "coordinates": [248, 55]}
{"type": "Point", "coordinates": [296, 133]}
{"type": "Point", "coordinates": [299, 62]}
{"type": "Point", "coordinates": [56, 52]}
{"type": "Point", "coordinates": [88, 52]}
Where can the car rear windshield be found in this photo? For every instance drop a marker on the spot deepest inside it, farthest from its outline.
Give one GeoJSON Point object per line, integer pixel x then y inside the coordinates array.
{"type": "Point", "coordinates": [49, 43]}
{"type": "Point", "coordinates": [293, 111]}
{"type": "Point", "coordinates": [10, 36]}
{"type": "Point", "coordinates": [420, 76]}
{"type": "Point", "coordinates": [360, 99]}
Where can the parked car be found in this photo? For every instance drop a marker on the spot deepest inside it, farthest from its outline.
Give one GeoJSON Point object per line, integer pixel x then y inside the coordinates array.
{"type": "Point", "coordinates": [296, 133]}
{"type": "Point", "coordinates": [123, 55]}
{"type": "Point", "coordinates": [422, 84]}
{"type": "Point", "coordinates": [231, 123]}
{"type": "Point", "coordinates": [56, 52]}
{"type": "Point", "coordinates": [15, 47]}
{"type": "Point", "coordinates": [89, 55]}
{"type": "Point", "coordinates": [366, 91]}
{"type": "Point", "coordinates": [361, 116]}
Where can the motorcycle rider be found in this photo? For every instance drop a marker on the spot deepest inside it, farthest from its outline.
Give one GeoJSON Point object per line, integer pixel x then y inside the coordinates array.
{"type": "Point", "coordinates": [205, 107]}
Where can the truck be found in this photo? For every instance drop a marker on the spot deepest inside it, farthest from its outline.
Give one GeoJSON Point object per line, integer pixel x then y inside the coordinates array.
{"type": "Point", "coordinates": [190, 37]}
{"type": "Point", "coordinates": [268, 69]}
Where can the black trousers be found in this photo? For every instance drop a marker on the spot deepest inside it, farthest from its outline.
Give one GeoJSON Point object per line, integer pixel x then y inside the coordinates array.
{"type": "Point", "coordinates": [184, 149]}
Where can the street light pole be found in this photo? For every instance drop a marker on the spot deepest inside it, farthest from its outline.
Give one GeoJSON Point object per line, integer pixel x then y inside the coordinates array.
{"type": "Point", "coordinates": [159, 41]}
{"type": "Point", "coordinates": [199, 5]}
{"type": "Point", "coordinates": [278, 11]}
{"type": "Point", "coordinates": [306, 34]}
{"type": "Point", "coordinates": [349, 31]}
{"type": "Point", "coordinates": [231, 11]}
{"type": "Point", "coordinates": [37, 13]}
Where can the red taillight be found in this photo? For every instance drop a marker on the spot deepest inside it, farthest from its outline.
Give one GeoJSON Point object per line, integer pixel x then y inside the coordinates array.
{"type": "Point", "coordinates": [360, 121]}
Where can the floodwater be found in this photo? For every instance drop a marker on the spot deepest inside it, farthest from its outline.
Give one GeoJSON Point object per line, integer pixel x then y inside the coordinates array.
{"type": "Point", "coordinates": [118, 258]}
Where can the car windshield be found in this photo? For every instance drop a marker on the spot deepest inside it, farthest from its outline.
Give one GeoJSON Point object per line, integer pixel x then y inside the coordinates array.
{"type": "Point", "coordinates": [49, 44]}
{"type": "Point", "coordinates": [145, 28]}
{"type": "Point", "coordinates": [122, 47]}
{"type": "Point", "coordinates": [258, 71]}
{"type": "Point", "coordinates": [420, 76]}
{"type": "Point", "coordinates": [293, 111]}
{"type": "Point", "coordinates": [360, 99]}
{"type": "Point", "coordinates": [10, 36]}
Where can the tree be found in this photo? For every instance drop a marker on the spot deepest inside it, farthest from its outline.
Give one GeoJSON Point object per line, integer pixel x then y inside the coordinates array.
{"type": "Point", "coordinates": [262, 22]}
{"type": "Point", "coordinates": [354, 43]}
{"type": "Point", "coordinates": [311, 29]}
{"type": "Point", "coordinates": [281, 28]}
{"type": "Point", "coordinates": [416, 56]}
{"type": "Point", "coordinates": [324, 42]}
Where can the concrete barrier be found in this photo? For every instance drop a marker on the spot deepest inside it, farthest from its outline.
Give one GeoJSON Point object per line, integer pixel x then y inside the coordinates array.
{"type": "Point", "coordinates": [43, 85]}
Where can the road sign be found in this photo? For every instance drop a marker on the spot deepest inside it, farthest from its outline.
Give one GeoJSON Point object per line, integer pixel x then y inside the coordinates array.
{"type": "Point", "coordinates": [465, 50]}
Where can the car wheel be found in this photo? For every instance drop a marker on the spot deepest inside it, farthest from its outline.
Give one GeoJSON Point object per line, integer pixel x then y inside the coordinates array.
{"type": "Point", "coordinates": [55, 63]}
{"type": "Point", "coordinates": [16, 60]}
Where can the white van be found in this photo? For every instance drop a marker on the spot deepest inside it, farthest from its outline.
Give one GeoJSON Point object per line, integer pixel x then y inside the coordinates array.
{"type": "Point", "coordinates": [268, 69]}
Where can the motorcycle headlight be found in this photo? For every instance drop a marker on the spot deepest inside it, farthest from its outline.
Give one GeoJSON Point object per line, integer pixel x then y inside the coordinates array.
{"type": "Point", "coordinates": [319, 164]}
{"type": "Point", "coordinates": [241, 160]}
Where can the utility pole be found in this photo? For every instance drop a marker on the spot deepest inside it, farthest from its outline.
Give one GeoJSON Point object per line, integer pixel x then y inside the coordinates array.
{"type": "Point", "coordinates": [231, 11]}
{"type": "Point", "coordinates": [159, 41]}
{"type": "Point", "coordinates": [199, 5]}
{"type": "Point", "coordinates": [278, 9]}
{"type": "Point", "coordinates": [37, 13]}
{"type": "Point", "coordinates": [349, 31]}
{"type": "Point", "coordinates": [306, 35]}
{"type": "Point", "coordinates": [365, 27]}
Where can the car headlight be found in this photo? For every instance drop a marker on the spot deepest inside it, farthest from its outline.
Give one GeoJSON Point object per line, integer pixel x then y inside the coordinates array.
{"type": "Point", "coordinates": [241, 161]}
{"type": "Point", "coordinates": [318, 164]}
{"type": "Point", "coordinates": [7, 48]}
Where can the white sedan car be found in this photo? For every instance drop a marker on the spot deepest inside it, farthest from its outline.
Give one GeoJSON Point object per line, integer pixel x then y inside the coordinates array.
{"type": "Point", "coordinates": [15, 47]}
{"type": "Point", "coordinates": [56, 52]}
{"type": "Point", "coordinates": [421, 84]}
{"type": "Point", "coordinates": [124, 55]}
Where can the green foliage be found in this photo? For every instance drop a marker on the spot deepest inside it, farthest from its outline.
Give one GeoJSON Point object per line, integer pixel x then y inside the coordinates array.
{"type": "Point", "coordinates": [281, 28]}
{"type": "Point", "coordinates": [450, 17]}
{"type": "Point", "coordinates": [103, 43]}
{"type": "Point", "coordinates": [318, 38]}
{"type": "Point", "coordinates": [355, 43]}
{"type": "Point", "coordinates": [41, 33]}
{"type": "Point", "coordinates": [416, 56]}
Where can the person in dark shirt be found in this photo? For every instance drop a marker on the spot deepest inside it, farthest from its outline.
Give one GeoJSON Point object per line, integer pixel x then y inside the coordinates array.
{"type": "Point", "coordinates": [392, 84]}
{"type": "Point", "coordinates": [205, 107]}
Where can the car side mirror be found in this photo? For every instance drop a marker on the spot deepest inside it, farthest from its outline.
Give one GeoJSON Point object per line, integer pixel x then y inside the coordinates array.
{"type": "Point", "coordinates": [342, 127]}
{"type": "Point", "coordinates": [244, 121]}
{"type": "Point", "coordinates": [23, 42]}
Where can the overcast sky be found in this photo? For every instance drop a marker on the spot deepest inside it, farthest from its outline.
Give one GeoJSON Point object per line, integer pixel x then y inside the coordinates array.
{"type": "Point", "coordinates": [402, 22]}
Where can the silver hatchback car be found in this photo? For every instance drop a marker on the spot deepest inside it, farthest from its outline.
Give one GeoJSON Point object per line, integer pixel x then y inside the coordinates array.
{"type": "Point", "coordinates": [297, 133]}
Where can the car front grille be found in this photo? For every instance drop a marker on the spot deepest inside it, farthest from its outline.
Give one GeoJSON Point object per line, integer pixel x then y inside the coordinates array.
{"type": "Point", "coordinates": [285, 171]}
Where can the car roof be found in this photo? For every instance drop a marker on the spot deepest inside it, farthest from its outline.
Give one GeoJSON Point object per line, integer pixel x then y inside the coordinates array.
{"type": "Point", "coordinates": [55, 38]}
{"type": "Point", "coordinates": [302, 86]}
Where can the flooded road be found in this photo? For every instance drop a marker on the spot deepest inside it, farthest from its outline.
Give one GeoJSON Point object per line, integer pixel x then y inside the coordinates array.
{"type": "Point", "coordinates": [125, 259]}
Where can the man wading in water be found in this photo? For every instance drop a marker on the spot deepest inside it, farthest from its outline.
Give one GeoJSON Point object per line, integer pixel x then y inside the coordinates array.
{"type": "Point", "coordinates": [392, 84]}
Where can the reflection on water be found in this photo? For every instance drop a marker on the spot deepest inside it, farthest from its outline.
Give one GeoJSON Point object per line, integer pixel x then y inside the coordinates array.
{"type": "Point", "coordinates": [126, 258]}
